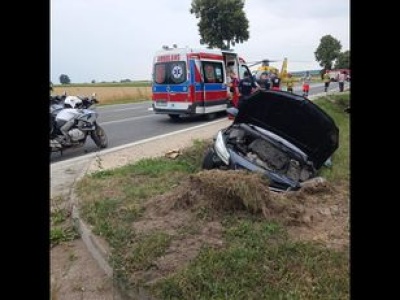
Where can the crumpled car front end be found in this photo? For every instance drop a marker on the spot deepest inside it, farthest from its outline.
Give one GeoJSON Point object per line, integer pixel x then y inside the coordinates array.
{"type": "Point", "coordinates": [243, 146]}
{"type": "Point", "coordinates": [260, 141]}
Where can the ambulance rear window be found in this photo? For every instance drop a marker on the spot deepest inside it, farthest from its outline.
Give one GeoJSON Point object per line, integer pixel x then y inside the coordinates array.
{"type": "Point", "coordinates": [170, 72]}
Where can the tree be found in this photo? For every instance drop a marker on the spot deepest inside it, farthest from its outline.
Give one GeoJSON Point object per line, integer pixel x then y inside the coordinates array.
{"type": "Point", "coordinates": [343, 60]}
{"type": "Point", "coordinates": [327, 51]}
{"type": "Point", "coordinates": [64, 79]}
{"type": "Point", "coordinates": [222, 23]}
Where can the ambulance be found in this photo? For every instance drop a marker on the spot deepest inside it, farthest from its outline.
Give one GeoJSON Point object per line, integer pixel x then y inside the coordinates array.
{"type": "Point", "coordinates": [192, 82]}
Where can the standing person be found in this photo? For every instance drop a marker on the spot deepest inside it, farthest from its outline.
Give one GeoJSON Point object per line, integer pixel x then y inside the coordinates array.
{"type": "Point", "coordinates": [233, 88]}
{"type": "Point", "coordinates": [341, 79]}
{"type": "Point", "coordinates": [246, 87]}
{"type": "Point", "coordinates": [264, 81]}
{"type": "Point", "coordinates": [289, 82]}
{"type": "Point", "coordinates": [230, 66]}
{"type": "Point", "coordinates": [275, 82]}
{"type": "Point", "coordinates": [327, 80]}
{"type": "Point", "coordinates": [306, 80]}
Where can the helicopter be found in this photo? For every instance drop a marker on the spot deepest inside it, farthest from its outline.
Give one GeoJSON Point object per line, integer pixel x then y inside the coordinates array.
{"type": "Point", "coordinates": [264, 66]}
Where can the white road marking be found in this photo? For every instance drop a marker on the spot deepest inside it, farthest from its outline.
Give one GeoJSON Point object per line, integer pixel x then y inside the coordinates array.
{"type": "Point", "coordinates": [128, 119]}
{"type": "Point", "coordinates": [94, 154]}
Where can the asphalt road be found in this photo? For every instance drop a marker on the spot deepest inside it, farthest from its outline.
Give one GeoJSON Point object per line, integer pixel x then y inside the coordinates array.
{"type": "Point", "coordinates": [128, 123]}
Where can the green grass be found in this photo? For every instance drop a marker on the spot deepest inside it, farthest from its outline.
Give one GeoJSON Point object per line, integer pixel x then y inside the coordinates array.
{"type": "Point", "coordinates": [258, 260]}
{"type": "Point", "coordinates": [60, 234]}
{"type": "Point", "coordinates": [61, 226]}
{"type": "Point", "coordinates": [335, 104]}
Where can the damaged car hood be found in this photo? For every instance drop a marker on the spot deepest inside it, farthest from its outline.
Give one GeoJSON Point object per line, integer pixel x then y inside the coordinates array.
{"type": "Point", "coordinates": [294, 118]}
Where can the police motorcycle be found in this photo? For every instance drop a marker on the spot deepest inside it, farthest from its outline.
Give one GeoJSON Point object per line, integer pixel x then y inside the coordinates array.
{"type": "Point", "coordinates": [82, 111]}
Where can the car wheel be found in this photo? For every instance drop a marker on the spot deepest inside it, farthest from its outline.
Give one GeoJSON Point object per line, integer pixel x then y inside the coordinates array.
{"type": "Point", "coordinates": [208, 160]}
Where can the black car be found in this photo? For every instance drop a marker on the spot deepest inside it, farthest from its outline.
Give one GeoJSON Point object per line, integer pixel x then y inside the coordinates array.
{"type": "Point", "coordinates": [285, 136]}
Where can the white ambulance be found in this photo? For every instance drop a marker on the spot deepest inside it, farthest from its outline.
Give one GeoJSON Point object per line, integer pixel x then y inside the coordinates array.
{"type": "Point", "coordinates": [189, 82]}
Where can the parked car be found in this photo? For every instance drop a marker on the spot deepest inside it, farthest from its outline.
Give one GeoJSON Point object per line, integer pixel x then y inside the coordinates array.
{"type": "Point", "coordinates": [283, 135]}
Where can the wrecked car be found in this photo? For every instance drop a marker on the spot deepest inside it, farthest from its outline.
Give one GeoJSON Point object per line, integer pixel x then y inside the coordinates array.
{"type": "Point", "coordinates": [283, 135]}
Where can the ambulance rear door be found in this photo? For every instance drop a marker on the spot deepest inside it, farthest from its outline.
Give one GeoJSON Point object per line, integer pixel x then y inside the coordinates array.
{"type": "Point", "coordinates": [196, 85]}
{"type": "Point", "coordinates": [170, 86]}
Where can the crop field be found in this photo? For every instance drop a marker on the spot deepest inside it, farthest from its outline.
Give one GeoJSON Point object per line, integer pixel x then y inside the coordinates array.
{"type": "Point", "coordinates": [107, 94]}
{"type": "Point", "coordinates": [114, 93]}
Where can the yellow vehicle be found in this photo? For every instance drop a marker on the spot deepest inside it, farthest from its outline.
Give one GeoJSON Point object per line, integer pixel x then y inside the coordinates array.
{"type": "Point", "coordinates": [266, 67]}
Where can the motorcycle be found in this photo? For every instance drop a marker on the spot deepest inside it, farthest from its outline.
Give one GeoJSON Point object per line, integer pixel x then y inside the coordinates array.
{"type": "Point", "coordinates": [59, 99]}
{"type": "Point", "coordinates": [85, 125]}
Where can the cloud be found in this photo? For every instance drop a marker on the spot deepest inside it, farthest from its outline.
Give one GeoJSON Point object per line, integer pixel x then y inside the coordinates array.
{"type": "Point", "coordinates": [107, 40]}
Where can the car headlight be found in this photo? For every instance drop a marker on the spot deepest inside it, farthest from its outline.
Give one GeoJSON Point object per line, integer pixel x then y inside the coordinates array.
{"type": "Point", "coordinates": [221, 149]}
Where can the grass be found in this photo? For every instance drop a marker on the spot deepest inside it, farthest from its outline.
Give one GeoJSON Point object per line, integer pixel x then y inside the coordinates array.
{"type": "Point", "coordinates": [257, 259]}
{"type": "Point", "coordinates": [335, 104]}
{"type": "Point", "coordinates": [61, 226]}
{"type": "Point", "coordinates": [260, 262]}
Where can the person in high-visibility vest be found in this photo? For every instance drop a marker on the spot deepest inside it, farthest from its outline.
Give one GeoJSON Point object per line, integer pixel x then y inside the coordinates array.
{"type": "Point", "coordinates": [327, 80]}
{"type": "Point", "coordinates": [289, 83]}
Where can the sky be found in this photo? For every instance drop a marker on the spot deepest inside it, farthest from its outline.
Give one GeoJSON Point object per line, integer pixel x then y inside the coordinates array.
{"type": "Point", "coordinates": [113, 40]}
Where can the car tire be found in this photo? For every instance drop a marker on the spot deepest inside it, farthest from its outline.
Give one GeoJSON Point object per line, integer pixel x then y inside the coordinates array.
{"type": "Point", "coordinates": [208, 160]}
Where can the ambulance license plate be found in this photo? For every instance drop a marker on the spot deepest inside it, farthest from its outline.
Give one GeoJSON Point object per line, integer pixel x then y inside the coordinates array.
{"type": "Point", "coordinates": [161, 103]}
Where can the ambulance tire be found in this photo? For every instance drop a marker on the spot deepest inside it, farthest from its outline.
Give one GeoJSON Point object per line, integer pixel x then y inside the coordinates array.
{"type": "Point", "coordinates": [174, 117]}
{"type": "Point", "coordinates": [211, 116]}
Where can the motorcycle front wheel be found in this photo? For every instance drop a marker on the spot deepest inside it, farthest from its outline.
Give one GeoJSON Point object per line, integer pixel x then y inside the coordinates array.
{"type": "Point", "coordinates": [99, 137]}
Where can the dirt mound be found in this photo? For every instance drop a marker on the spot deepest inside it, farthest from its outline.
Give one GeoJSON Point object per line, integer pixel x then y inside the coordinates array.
{"type": "Point", "coordinates": [305, 213]}
{"type": "Point", "coordinates": [230, 190]}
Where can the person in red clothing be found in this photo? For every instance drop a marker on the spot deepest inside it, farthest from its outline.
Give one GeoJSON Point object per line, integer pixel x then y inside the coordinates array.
{"type": "Point", "coordinates": [306, 80]}
{"type": "Point", "coordinates": [234, 88]}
